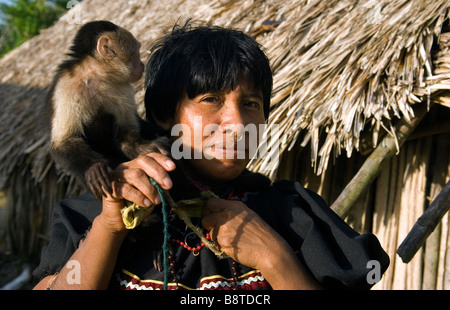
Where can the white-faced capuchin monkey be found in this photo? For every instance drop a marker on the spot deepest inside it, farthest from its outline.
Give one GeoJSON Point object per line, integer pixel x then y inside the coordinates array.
{"type": "Point", "coordinates": [94, 121]}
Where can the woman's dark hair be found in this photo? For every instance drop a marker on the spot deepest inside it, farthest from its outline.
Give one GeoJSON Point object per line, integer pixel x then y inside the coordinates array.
{"type": "Point", "coordinates": [199, 60]}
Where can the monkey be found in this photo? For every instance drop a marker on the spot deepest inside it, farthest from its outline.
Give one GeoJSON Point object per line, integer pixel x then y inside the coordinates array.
{"type": "Point", "coordinates": [91, 107]}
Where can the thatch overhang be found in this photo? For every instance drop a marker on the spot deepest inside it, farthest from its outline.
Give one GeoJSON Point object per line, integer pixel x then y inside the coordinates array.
{"type": "Point", "coordinates": [341, 68]}
{"type": "Point", "coordinates": [350, 67]}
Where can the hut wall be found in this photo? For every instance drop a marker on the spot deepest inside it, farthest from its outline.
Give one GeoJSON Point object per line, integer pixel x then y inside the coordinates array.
{"type": "Point", "coordinates": [404, 188]}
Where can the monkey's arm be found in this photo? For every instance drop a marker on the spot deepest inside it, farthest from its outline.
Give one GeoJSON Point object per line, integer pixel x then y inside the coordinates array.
{"type": "Point", "coordinates": [134, 145]}
{"type": "Point", "coordinates": [75, 155]}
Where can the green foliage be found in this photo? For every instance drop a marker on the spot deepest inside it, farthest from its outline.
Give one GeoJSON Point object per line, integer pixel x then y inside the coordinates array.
{"type": "Point", "coordinates": [25, 18]}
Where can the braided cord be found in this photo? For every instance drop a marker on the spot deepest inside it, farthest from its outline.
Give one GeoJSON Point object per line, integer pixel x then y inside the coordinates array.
{"type": "Point", "coordinates": [166, 230]}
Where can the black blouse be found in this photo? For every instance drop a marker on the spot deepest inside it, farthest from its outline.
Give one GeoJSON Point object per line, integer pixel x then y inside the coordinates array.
{"type": "Point", "coordinates": [335, 254]}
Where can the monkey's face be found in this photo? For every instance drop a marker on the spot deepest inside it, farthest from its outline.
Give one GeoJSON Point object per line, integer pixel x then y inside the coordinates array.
{"type": "Point", "coordinates": [136, 64]}
{"type": "Point", "coordinates": [121, 52]}
{"type": "Point", "coordinates": [213, 128]}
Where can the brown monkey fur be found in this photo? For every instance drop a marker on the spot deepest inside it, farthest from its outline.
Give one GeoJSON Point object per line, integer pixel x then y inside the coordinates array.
{"type": "Point", "coordinates": [91, 106]}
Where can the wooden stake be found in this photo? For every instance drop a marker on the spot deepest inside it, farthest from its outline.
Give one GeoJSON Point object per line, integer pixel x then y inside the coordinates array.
{"type": "Point", "coordinates": [425, 225]}
{"type": "Point", "coordinates": [376, 160]}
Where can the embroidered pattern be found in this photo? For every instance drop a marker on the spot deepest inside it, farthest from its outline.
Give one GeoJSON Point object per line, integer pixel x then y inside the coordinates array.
{"type": "Point", "coordinates": [249, 281]}
{"type": "Point", "coordinates": [244, 197]}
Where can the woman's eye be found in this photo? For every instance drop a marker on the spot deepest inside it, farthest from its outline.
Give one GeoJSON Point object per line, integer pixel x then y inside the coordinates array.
{"type": "Point", "coordinates": [210, 99]}
{"type": "Point", "coordinates": [253, 104]}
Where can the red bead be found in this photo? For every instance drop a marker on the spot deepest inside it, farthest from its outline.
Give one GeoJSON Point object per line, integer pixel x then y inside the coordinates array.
{"type": "Point", "coordinates": [194, 249]}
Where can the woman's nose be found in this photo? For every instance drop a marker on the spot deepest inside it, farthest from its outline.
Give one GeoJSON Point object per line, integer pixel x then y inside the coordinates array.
{"type": "Point", "coordinates": [231, 116]}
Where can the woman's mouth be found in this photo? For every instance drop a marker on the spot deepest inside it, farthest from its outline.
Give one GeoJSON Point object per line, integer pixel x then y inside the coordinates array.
{"type": "Point", "coordinates": [224, 151]}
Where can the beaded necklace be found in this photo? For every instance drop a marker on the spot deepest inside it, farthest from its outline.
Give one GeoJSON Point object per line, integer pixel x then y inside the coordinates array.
{"type": "Point", "coordinates": [195, 250]}
{"type": "Point", "coordinates": [169, 260]}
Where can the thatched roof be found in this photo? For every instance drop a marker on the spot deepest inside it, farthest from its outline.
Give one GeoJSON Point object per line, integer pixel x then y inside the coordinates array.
{"type": "Point", "coordinates": [348, 65]}
{"type": "Point", "coordinates": [340, 67]}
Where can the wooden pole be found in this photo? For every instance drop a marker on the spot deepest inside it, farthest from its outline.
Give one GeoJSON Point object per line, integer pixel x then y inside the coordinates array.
{"type": "Point", "coordinates": [376, 160]}
{"type": "Point", "coordinates": [425, 225]}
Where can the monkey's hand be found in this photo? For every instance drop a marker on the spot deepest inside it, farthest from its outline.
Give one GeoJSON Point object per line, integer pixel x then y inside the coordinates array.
{"type": "Point", "coordinates": [159, 145]}
{"type": "Point", "coordinates": [163, 145]}
{"type": "Point", "coordinates": [98, 178]}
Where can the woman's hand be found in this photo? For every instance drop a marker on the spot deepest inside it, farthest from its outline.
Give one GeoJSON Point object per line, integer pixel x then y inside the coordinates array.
{"type": "Point", "coordinates": [132, 178]}
{"type": "Point", "coordinates": [97, 253]}
{"type": "Point", "coordinates": [130, 181]}
{"type": "Point", "coordinates": [247, 238]}
{"type": "Point", "coordinates": [239, 231]}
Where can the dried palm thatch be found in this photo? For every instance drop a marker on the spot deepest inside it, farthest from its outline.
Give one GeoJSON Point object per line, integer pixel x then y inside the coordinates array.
{"type": "Point", "coordinates": [340, 67]}
{"type": "Point", "coordinates": [350, 65]}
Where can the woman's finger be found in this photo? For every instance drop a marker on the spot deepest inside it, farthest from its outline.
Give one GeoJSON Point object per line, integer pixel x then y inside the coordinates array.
{"type": "Point", "coordinates": [154, 169]}
{"type": "Point", "coordinates": [214, 205]}
{"type": "Point", "coordinates": [215, 213]}
{"type": "Point", "coordinates": [138, 179]}
{"type": "Point", "coordinates": [208, 221]}
{"type": "Point", "coordinates": [163, 160]}
{"type": "Point", "coordinates": [133, 181]}
{"type": "Point", "coordinates": [154, 166]}
{"type": "Point", "coordinates": [129, 192]}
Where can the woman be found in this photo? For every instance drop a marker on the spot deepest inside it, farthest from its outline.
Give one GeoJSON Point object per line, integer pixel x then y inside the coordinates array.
{"type": "Point", "coordinates": [278, 236]}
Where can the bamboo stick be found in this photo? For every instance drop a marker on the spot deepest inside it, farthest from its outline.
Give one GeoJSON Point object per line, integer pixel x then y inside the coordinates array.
{"type": "Point", "coordinates": [417, 201]}
{"type": "Point", "coordinates": [401, 191]}
{"type": "Point", "coordinates": [382, 218]}
{"type": "Point", "coordinates": [433, 247]}
{"type": "Point", "coordinates": [446, 275]}
{"type": "Point", "coordinates": [373, 164]}
{"type": "Point", "coordinates": [431, 260]}
{"type": "Point", "coordinates": [445, 240]}
{"type": "Point", "coordinates": [443, 244]}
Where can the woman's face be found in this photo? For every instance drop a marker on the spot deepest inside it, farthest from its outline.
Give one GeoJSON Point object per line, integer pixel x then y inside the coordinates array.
{"type": "Point", "coordinates": [208, 130]}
